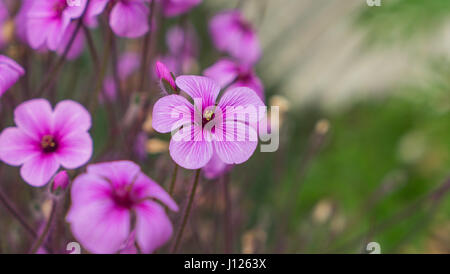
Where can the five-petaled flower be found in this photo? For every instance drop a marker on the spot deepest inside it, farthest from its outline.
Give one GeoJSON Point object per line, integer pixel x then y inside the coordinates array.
{"type": "Point", "coordinates": [112, 201]}
{"type": "Point", "coordinates": [227, 128]}
{"type": "Point", "coordinates": [44, 139]}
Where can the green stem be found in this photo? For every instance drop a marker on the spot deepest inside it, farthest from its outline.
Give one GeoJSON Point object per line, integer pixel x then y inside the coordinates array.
{"type": "Point", "coordinates": [174, 179]}
{"type": "Point", "coordinates": [44, 234]}
{"type": "Point", "coordinates": [186, 213]}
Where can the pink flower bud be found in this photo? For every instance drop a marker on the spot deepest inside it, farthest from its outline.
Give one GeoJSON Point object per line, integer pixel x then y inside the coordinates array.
{"type": "Point", "coordinates": [61, 181]}
{"type": "Point", "coordinates": [164, 75]}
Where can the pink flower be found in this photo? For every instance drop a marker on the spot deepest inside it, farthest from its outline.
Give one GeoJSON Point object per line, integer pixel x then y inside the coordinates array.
{"type": "Point", "coordinates": [165, 76]}
{"type": "Point", "coordinates": [129, 62]}
{"type": "Point", "coordinates": [129, 18]}
{"type": "Point", "coordinates": [46, 139]}
{"type": "Point", "coordinates": [221, 128]}
{"type": "Point", "coordinates": [48, 20]}
{"type": "Point", "coordinates": [231, 74]}
{"type": "Point", "coordinates": [95, 8]}
{"type": "Point", "coordinates": [61, 181]}
{"type": "Point", "coordinates": [233, 34]}
{"type": "Point", "coordinates": [10, 72]}
{"type": "Point", "coordinates": [177, 7]}
{"type": "Point", "coordinates": [104, 200]}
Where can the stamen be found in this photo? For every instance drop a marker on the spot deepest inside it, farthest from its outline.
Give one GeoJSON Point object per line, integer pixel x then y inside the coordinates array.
{"type": "Point", "coordinates": [48, 144]}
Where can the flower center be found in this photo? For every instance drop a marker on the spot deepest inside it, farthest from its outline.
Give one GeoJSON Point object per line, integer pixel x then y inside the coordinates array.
{"type": "Point", "coordinates": [60, 6]}
{"type": "Point", "coordinates": [49, 144]}
{"type": "Point", "coordinates": [207, 116]}
{"type": "Point", "coordinates": [123, 198]}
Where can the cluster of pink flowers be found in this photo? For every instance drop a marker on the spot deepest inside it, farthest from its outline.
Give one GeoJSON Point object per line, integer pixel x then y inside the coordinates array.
{"type": "Point", "coordinates": [115, 207]}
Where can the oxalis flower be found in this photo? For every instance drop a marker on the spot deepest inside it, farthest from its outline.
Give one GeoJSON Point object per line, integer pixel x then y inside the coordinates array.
{"type": "Point", "coordinates": [227, 128]}
{"type": "Point", "coordinates": [112, 196]}
{"type": "Point", "coordinates": [44, 139]}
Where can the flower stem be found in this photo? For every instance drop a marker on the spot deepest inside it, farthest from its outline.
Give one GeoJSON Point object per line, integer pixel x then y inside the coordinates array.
{"type": "Point", "coordinates": [145, 50]}
{"type": "Point", "coordinates": [9, 206]}
{"type": "Point", "coordinates": [227, 215]}
{"type": "Point", "coordinates": [44, 234]}
{"type": "Point", "coordinates": [92, 50]}
{"type": "Point", "coordinates": [174, 179]}
{"type": "Point", "coordinates": [186, 212]}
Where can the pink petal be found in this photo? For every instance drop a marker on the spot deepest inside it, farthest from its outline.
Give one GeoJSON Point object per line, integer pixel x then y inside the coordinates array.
{"type": "Point", "coordinates": [128, 63]}
{"type": "Point", "coordinates": [87, 189]}
{"type": "Point", "coordinates": [100, 226]}
{"type": "Point", "coordinates": [241, 97]}
{"type": "Point", "coordinates": [215, 167]}
{"type": "Point", "coordinates": [199, 87]}
{"type": "Point", "coordinates": [129, 19]}
{"type": "Point", "coordinates": [10, 72]}
{"type": "Point", "coordinates": [189, 149]}
{"type": "Point", "coordinates": [16, 147]}
{"type": "Point", "coordinates": [119, 172]}
{"type": "Point", "coordinates": [74, 150]}
{"type": "Point", "coordinates": [34, 117]}
{"type": "Point", "coordinates": [223, 72]}
{"type": "Point", "coordinates": [163, 73]}
{"type": "Point", "coordinates": [235, 142]}
{"type": "Point", "coordinates": [177, 7]}
{"type": "Point", "coordinates": [170, 112]}
{"type": "Point", "coordinates": [39, 169]}
{"type": "Point", "coordinates": [147, 188]}
{"type": "Point", "coordinates": [70, 117]}
{"type": "Point", "coordinates": [153, 227]}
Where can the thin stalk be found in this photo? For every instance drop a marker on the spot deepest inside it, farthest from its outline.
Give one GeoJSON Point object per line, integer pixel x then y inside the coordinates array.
{"type": "Point", "coordinates": [186, 213]}
{"type": "Point", "coordinates": [92, 50]}
{"type": "Point", "coordinates": [174, 179]}
{"type": "Point", "coordinates": [145, 50]}
{"type": "Point", "coordinates": [227, 215]}
{"type": "Point", "coordinates": [15, 213]}
{"type": "Point", "coordinates": [44, 234]}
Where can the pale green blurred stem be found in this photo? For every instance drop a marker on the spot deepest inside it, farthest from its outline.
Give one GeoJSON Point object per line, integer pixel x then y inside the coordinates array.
{"type": "Point", "coordinates": [174, 180]}
{"type": "Point", "coordinates": [44, 234]}
{"type": "Point", "coordinates": [186, 213]}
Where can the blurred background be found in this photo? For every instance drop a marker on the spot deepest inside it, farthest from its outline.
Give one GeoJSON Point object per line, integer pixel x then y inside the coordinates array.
{"type": "Point", "coordinates": [364, 96]}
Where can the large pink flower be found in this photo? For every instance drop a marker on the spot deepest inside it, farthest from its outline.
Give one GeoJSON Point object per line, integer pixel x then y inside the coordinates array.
{"type": "Point", "coordinates": [10, 72]}
{"type": "Point", "coordinates": [104, 200]}
{"type": "Point", "coordinates": [232, 74]}
{"type": "Point", "coordinates": [48, 20]}
{"type": "Point", "coordinates": [233, 34]}
{"type": "Point", "coordinates": [227, 128]}
{"type": "Point", "coordinates": [46, 139]}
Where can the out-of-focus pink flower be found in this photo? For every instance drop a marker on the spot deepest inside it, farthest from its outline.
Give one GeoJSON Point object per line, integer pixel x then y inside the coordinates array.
{"type": "Point", "coordinates": [182, 41]}
{"type": "Point", "coordinates": [103, 200]}
{"type": "Point", "coordinates": [77, 46]}
{"type": "Point", "coordinates": [10, 72]}
{"type": "Point", "coordinates": [231, 33]}
{"type": "Point", "coordinates": [129, 18]}
{"type": "Point", "coordinates": [230, 134]}
{"type": "Point", "coordinates": [60, 181]}
{"type": "Point", "coordinates": [95, 8]}
{"type": "Point", "coordinates": [46, 139]}
{"type": "Point", "coordinates": [215, 168]}
{"type": "Point", "coordinates": [109, 92]}
{"type": "Point", "coordinates": [164, 76]}
{"type": "Point", "coordinates": [129, 62]}
{"type": "Point", "coordinates": [231, 74]}
{"type": "Point", "coordinates": [48, 20]}
{"type": "Point", "coordinates": [177, 7]}
{"type": "Point", "coordinates": [139, 146]}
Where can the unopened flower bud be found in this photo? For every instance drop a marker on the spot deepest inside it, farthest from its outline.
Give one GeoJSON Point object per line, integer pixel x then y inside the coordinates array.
{"type": "Point", "coordinates": [61, 181]}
